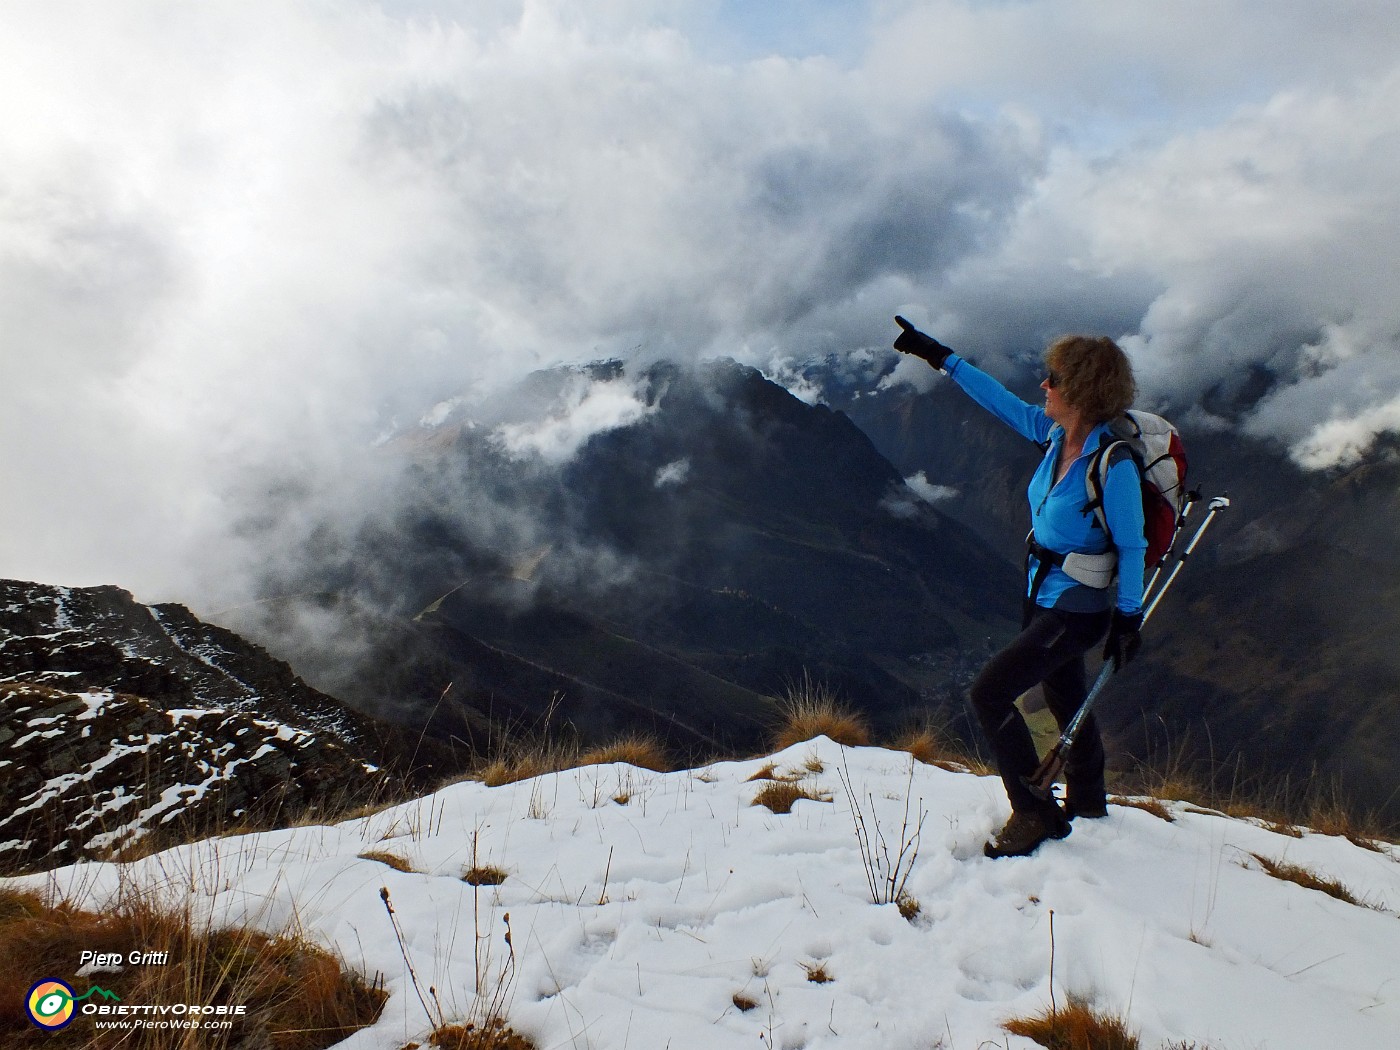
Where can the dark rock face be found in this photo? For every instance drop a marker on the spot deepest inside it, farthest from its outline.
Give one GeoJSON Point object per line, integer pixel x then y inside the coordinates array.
{"type": "Point", "coordinates": [121, 722]}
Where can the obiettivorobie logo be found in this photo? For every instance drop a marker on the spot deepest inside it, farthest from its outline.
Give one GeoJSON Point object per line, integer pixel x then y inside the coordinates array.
{"type": "Point", "coordinates": [51, 1002]}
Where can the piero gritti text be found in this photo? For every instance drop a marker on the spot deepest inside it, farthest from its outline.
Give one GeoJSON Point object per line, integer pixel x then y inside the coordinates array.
{"type": "Point", "coordinates": [132, 958]}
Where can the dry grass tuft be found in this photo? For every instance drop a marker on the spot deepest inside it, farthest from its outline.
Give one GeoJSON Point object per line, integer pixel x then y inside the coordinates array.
{"type": "Point", "coordinates": [492, 1035]}
{"type": "Point", "coordinates": [644, 752]}
{"type": "Point", "coordinates": [935, 743]}
{"type": "Point", "coordinates": [935, 747]}
{"type": "Point", "coordinates": [1077, 1027]}
{"type": "Point", "coordinates": [780, 795]}
{"type": "Point", "coordinates": [817, 973]}
{"type": "Point", "coordinates": [1374, 845]}
{"type": "Point", "coordinates": [926, 745]}
{"type": "Point", "coordinates": [770, 772]}
{"type": "Point", "coordinates": [1307, 878]}
{"type": "Point", "coordinates": [1288, 807]}
{"type": "Point", "coordinates": [1198, 811]}
{"type": "Point", "coordinates": [744, 1003]}
{"type": "Point", "coordinates": [298, 996]}
{"type": "Point", "coordinates": [525, 762]}
{"type": "Point", "coordinates": [484, 875]}
{"type": "Point", "coordinates": [811, 710]}
{"type": "Point", "coordinates": [1148, 805]}
{"type": "Point", "coordinates": [393, 860]}
{"type": "Point", "coordinates": [909, 907]}
{"type": "Point", "coordinates": [1328, 812]}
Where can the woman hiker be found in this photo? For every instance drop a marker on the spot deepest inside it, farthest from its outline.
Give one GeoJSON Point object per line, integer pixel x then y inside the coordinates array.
{"type": "Point", "coordinates": [1070, 602]}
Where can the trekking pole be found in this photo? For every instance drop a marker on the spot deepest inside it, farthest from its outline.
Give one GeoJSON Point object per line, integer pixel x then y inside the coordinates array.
{"type": "Point", "coordinates": [1192, 498]}
{"type": "Point", "coordinates": [1043, 779]}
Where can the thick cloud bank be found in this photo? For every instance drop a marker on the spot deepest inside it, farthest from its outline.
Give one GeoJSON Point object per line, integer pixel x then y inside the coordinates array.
{"type": "Point", "coordinates": [239, 244]}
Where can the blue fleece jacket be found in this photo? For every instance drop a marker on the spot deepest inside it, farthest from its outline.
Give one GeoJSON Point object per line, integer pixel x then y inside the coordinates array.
{"type": "Point", "coordinates": [1058, 517]}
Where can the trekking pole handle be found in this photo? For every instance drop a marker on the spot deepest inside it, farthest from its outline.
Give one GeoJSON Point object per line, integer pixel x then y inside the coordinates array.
{"type": "Point", "coordinates": [1218, 504]}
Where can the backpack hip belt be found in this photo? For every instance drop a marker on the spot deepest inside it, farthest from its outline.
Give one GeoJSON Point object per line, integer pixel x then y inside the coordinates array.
{"type": "Point", "coordinates": [1092, 570]}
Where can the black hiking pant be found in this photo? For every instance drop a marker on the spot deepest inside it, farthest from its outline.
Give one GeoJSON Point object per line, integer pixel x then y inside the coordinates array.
{"type": "Point", "coordinates": [1050, 651]}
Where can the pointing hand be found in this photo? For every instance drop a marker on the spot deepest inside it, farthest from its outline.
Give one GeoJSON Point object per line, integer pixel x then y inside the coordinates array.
{"type": "Point", "coordinates": [914, 342]}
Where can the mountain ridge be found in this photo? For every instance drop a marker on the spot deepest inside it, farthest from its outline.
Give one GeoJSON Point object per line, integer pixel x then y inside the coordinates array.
{"type": "Point", "coordinates": [725, 527]}
{"type": "Point", "coordinates": [124, 725]}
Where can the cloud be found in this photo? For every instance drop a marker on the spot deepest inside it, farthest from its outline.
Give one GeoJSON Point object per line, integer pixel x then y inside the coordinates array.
{"type": "Point", "coordinates": [904, 502]}
{"type": "Point", "coordinates": [588, 408]}
{"type": "Point", "coordinates": [920, 485]}
{"type": "Point", "coordinates": [1121, 70]}
{"type": "Point", "coordinates": [1246, 267]}
{"type": "Point", "coordinates": [674, 473]}
{"type": "Point", "coordinates": [237, 247]}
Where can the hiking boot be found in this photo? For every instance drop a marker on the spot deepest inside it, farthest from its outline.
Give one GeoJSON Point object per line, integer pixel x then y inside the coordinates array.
{"type": "Point", "coordinates": [1026, 830]}
{"type": "Point", "coordinates": [1090, 810]}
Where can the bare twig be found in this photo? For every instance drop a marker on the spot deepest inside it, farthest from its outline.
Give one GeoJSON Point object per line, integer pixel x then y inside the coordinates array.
{"type": "Point", "coordinates": [435, 1022]}
{"type": "Point", "coordinates": [603, 895]}
{"type": "Point", "coordinates": [886, 872]}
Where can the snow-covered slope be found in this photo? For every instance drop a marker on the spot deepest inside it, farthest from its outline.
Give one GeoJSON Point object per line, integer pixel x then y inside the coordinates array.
{"type": "Point", "coordinates": [642, 906]}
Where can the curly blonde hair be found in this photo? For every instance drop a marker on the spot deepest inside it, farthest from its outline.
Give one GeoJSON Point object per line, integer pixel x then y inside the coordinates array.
{"type": "Point", "coordinates": [1092, 374]}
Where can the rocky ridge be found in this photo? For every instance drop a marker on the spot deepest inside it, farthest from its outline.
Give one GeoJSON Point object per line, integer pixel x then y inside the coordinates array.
{"type": "Point", "coordinates": [89, 774]}
{"type": "Point", "coordinates": [121, 722]}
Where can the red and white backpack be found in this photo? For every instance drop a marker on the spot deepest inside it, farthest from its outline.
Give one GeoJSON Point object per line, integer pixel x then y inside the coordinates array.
{"type": "Point", "coordinates": [1155, 446]}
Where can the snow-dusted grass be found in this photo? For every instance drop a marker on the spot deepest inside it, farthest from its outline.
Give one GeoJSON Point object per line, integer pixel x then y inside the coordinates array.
{"type": "Point", "coordinates": [690, 919]}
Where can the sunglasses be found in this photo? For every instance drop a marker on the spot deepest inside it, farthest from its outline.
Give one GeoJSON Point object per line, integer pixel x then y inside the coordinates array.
{"type": "Point", "coordinates": [1051, 378]}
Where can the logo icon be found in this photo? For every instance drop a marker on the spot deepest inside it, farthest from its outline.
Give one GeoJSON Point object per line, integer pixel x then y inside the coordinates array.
{"type": "Point", "coordinates": [50, 1004]}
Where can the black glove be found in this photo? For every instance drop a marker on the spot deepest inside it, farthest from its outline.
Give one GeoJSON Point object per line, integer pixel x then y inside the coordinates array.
{"type": "Point", "coordinates": [1124, 638]}
{"type": "Point", "coordinates": [913, 341]}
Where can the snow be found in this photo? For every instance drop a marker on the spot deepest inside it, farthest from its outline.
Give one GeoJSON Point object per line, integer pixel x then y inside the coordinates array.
{"type": "Point", "coordinates": [61, 618]}
{"type": "Point", "coordinates": [57, 787]}
{"type": "Point", "coordinates": [37, 735]}
{"type": "Point", "coordinates": [638, 924]}
{"type": "Point", "coordinates": [179, 714]}
{"type": "Point", "coordinates": [95, 699]}
{"type": "Point", "coordinates": [205, 653]}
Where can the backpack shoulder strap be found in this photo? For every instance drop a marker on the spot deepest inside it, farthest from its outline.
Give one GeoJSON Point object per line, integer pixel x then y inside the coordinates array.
{"type": "Point", "coordinates": [1111, 451]}
{"type": "Point", "coordinates": [1044, 446]}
